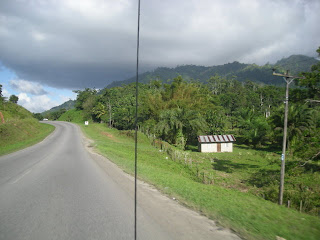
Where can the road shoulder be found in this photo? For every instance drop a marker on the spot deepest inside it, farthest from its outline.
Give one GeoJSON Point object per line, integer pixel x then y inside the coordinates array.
{"type": "Point", "coordinates": [180, 221]}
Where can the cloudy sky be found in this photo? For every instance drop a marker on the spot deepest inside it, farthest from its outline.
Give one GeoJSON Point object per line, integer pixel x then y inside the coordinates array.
{"type": "Point", "coordinates": [50, 47]}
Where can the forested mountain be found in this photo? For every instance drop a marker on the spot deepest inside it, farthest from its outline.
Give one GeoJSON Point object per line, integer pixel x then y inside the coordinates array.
{"type": "Point", "coordinates": [239, 71]}
{"type": "Point", "coordinates": [235, 71]}
{"type": "Point", "coordinates": [67, 105]}
{"type": "Point", "coordinates": [296, 63]}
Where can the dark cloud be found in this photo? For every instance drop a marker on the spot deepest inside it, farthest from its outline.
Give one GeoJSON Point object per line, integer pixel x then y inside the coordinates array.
{"type": "Point", "coordinates": [74, 75]}
{"type": "Point", "coordinates": [27, 87]}
{"type": "Point", "coordinates": [76, 44]}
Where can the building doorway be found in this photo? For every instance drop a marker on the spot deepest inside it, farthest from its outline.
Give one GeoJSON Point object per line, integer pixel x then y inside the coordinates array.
{"type": "Point", "coordinates": [218, 147]}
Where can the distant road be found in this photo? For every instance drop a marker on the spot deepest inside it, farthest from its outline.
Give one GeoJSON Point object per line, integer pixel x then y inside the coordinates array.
{"type": "Point", "coordinates": [58, 190]}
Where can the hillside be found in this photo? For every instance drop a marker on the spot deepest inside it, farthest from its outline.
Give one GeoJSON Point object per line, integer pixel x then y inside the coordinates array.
{"type": "Point", "coordinates": [242, 72]}
{"type": "Point", "coordinates": [66, 105]}
{"type": "Point", "coordinates": [296, 63]}
{"type": "Point", "coordinates": [19, 129]}
{"type": "Point", "coordinates": [12, 111]}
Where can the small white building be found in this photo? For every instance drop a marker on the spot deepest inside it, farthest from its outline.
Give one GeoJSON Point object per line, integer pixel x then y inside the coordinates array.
{"type": "Point", "coordinates": [216, 143]}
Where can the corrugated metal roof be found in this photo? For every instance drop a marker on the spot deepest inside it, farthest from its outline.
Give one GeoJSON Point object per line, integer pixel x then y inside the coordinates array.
{"type": "Point", "coordinates": [216, 138]}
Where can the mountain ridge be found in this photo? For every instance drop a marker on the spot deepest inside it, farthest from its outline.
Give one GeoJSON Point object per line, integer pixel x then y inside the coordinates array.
{"type": "Point", "coordinates": [240, 71]}
{"type": "Point", "coordinates": [66, 105]}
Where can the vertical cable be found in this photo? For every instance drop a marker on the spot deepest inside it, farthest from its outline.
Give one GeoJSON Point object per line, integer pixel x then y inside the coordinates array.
{"type": "Point", "coordinates": [136, 129]}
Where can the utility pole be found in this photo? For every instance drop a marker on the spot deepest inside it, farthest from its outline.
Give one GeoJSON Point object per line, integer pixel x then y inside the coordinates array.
{"type": "Point", "coordinates": [288, 79]}
{"type": "Point", "coordinates": [110, 121]}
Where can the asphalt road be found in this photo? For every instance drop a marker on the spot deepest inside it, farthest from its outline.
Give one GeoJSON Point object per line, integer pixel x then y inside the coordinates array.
{"type": "Point", "coordinates": [58, 189]}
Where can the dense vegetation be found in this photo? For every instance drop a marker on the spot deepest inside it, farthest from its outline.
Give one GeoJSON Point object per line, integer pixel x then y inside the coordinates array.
{"type": "Point", "coordinates": [179, 111]}
{"type": "Point", "coordinates": [18, 128]}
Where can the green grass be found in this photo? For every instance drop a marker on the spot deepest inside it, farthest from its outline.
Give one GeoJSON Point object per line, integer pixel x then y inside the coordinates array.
{"type": "Point", "coordinates": [233, 169]}
{"type": "Point", "coordinates": [250, 216]}
{"type": "Point", "coordinates": [20, 129]}
{"type": "Point", "coordinates": [72, 115]}
{"type": "Point", "coordinates": [257, 171]}
{"type": "Point", "coordinates": [12, 111]}
{"type": "Point", "coordinates": [21, 133]}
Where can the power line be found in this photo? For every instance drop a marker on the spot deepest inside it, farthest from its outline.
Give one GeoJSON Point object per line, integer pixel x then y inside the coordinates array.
{"type": "Point", "coordinates": [136, 129]}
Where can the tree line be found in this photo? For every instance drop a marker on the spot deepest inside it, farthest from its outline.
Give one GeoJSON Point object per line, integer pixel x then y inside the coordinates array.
{"type": "Point", "coordinates": [179, 111]}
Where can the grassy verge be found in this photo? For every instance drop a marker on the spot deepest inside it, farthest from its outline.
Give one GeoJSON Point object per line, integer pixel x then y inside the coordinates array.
{"type": "Point", "coordinates": [21, 133]}
{"type": "Point", "coordinates": [250, 216]}
{"type": "Point", "coordinates": [258, 171]}
{"type": "Point", "coordinates": [72, 115]}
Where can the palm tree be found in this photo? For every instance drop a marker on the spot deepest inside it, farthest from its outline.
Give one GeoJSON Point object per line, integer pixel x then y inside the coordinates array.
{"type": "Point", "coordinates": [170, 124]}
{"type": "Point", "coordinates": [178, 125]}
{"type": "Point", "coordinates": [300, 122]}
{"type": "Point", "coordinates": [254, 129]}
{"type": "Point", "coordinates": [99, 110]}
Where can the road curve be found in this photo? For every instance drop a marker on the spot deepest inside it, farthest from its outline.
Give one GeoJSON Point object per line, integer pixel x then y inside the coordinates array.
{"type": "Point", "coordinates": [58, 190]}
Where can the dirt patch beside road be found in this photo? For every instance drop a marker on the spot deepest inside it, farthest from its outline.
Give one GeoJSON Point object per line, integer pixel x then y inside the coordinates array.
{"type": "Point", "coordinates": [110, 136]}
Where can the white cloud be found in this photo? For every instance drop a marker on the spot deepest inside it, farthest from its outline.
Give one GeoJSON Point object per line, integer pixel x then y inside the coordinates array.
{"type": "Point", "coordinates": [41, 103]}
{"type": "Point", "coordinates": [24, 98]}
{"type": "Point", "coordinates": [36, 103]}
{"type": "Point", "coordinates": [5, 93]}
{"type": "Point", "coordinates": [27, 87]}
{"type": "Point", "coordinates": [63, 99]}
{"type": "Point", "coordinates": [36, 98]}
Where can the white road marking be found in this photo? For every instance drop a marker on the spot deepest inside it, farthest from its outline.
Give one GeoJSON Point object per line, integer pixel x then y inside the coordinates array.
{"type": "Point", "coordinates": [19, 178]}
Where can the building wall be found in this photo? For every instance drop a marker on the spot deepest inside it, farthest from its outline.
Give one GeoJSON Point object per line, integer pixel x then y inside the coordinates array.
{"type": "Point", "coordinates": [208, 147]}
{"type": "Point", "coordinates": [226, 147]}
{"type": "Point", "coordinates": [212, 147]}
